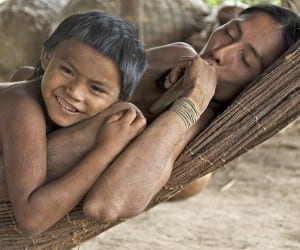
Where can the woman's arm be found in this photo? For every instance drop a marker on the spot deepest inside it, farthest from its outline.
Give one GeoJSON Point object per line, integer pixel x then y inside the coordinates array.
{"type": "Point", "coordinates": [132, 180]}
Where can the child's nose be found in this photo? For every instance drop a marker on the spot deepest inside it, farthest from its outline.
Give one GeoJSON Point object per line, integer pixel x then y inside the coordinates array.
{"type": "Point", "coordinates": [76, 90]}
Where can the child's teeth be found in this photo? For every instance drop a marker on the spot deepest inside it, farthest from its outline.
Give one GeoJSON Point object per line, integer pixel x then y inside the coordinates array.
{"type": "Point", "coordinates": [66, 107]}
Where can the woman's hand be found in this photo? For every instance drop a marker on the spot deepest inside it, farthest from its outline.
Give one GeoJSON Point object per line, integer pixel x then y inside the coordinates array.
{"type": "Point", "coordinates": [199, 80]}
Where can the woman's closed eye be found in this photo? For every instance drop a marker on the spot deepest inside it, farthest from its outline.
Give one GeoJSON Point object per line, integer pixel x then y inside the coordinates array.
{"type": "Point", "coordinates": [244, 59]}
{"type": "Point", "coordinates": [229, 34]}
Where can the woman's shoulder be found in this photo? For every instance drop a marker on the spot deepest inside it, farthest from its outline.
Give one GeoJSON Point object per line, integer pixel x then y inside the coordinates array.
{"type": "Point", "coordinates": [22, 73]}
{"type": "Point", "coordinates": [167, 56]}
{"type": "Point", "coordinates": [178, 46]}
{"type": "Point", "coordinates": [171, 51]}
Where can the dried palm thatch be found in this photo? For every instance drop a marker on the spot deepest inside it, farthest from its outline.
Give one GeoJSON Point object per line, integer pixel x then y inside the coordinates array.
{"type": "Point", "coordinates": [163, 21]}
{"type": "Point", "coordinates": [269, 104]}
{"type": "Point", "coordinates": [24, 25]}
{"type": "Point", "coordinates": [292, 4]}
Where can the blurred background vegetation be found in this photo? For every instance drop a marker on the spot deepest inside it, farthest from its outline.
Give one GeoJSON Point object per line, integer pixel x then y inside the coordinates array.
{"type": "Point", "coordinates": [248, 2]}
{"type": "Point", "coordinates": [25, 24]}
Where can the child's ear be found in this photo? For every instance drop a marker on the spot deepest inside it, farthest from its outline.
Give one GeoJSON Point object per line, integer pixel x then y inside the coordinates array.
{"type": "Point", "coordinates": [45, 58]}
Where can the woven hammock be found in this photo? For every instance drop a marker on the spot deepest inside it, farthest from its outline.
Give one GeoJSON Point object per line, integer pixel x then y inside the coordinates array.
{"type": "Point", "coordinates": [269, 104]}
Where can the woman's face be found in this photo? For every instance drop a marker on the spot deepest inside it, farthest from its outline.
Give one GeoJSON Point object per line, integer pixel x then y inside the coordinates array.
{"type": "Point", "coordinates": [241, 49]}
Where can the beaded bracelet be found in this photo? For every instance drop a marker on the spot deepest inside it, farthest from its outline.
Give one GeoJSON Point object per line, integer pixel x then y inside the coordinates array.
{"type": "Point", "coordinates": [186, 110]}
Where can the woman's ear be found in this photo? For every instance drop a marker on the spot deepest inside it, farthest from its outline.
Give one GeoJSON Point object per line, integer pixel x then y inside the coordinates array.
{"type": "Point", "coordinates": [45, 58]}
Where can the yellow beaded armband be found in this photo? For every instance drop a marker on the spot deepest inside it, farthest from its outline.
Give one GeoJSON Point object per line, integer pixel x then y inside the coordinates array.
{"type": "Point", "coordinates": [186, 110]}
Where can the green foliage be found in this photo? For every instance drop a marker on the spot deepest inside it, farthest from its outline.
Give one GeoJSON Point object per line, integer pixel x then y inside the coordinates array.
{"type": "Point", "coordinates": [249, 2]}
{"type": "Point", "coordinates": [213, 2]}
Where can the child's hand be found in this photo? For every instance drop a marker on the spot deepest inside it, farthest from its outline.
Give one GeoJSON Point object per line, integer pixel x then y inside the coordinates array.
{"type": "Point", "coordinates": [119, 128]}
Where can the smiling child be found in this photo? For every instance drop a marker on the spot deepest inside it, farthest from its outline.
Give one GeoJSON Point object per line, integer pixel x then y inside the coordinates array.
{"type": "Point", "coordinates": [91, 61]}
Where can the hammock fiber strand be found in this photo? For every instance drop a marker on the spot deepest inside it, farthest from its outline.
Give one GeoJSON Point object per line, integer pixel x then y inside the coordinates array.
{"type": "Point", "coordinates": [269, 104]}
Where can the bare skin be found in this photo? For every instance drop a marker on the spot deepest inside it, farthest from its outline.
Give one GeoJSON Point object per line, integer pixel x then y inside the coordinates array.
{"type": "Point", "coordinates": [147, 163]}
{"type": "Point", "coordinates": [70, 94]}
{"type": "Point", "coordinates": [165, 162]}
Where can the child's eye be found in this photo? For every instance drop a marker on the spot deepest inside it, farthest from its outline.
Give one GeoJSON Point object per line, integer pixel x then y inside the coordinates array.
{"type": "Point", "coordinates": [66, 70]}
{"type": "Point", "coordinates": [96, 88]}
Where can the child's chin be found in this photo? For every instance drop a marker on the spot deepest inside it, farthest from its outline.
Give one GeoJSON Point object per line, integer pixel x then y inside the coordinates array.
{"type": "Point", "coordinates": [62, 123]}
{"type": "Point", "coordinates": [65, 120]}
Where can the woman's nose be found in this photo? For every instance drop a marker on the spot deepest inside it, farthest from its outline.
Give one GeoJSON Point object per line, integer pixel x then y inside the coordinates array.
{"type": "Point", "coordinates": [226, 54]}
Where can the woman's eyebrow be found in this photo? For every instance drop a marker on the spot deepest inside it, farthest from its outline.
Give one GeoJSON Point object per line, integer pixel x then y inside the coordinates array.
{"type": "Point", "coordinates": [250, 46]}
{"type": "Point", "coordinates": [237, 25]}
{"type": "Point", "coordinates": [256, 54]}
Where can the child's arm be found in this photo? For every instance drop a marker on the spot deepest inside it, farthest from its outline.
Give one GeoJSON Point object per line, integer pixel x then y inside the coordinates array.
{"type": "Point", "coordinates": [39, 204]}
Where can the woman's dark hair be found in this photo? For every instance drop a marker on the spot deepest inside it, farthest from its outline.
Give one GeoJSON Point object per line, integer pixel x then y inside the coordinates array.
{"type": "Point", "coordinates": [285, 17]}
{"type": "Point", "coordinates": [111, 36]}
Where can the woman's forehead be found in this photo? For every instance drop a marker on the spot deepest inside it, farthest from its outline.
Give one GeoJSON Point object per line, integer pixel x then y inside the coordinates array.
{"type": "Point", "coordinates": [263, 33]}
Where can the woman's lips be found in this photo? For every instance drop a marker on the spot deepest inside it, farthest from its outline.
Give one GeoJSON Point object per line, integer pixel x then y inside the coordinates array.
{"type": "Point", "coordinates": [66, 105]}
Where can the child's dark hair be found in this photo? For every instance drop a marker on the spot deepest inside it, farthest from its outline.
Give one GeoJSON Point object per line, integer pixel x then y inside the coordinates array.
{"type": "Point", "coordinates": [112, 36]}
{"type": "Point", "coordinates": [286, 17]}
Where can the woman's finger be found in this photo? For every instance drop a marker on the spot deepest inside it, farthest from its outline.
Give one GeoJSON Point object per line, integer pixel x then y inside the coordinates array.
{"type": "Point", "coordinates": [176, 73]}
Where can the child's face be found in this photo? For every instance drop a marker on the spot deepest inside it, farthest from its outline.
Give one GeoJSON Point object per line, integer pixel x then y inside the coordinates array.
{"type": "Point", "coordinates": [78, 82]}
{"type": "Point", "coordinates": [241, 50]}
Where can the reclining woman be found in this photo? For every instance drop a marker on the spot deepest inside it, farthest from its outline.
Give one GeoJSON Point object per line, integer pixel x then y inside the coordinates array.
{"type": "Point", "coordinates": [235, 54]}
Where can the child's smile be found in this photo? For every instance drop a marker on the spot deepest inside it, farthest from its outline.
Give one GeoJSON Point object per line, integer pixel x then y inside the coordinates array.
{"type": "Point", "coordinates": [66, 106]}
{"type": "Point", "coordinates": [78, 82]}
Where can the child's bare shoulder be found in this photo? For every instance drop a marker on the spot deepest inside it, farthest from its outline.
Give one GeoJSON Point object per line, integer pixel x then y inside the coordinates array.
{"type": "Point", "coordinates": [19, 100]}
{"type": "Point", "coordinates": [19, 91]}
